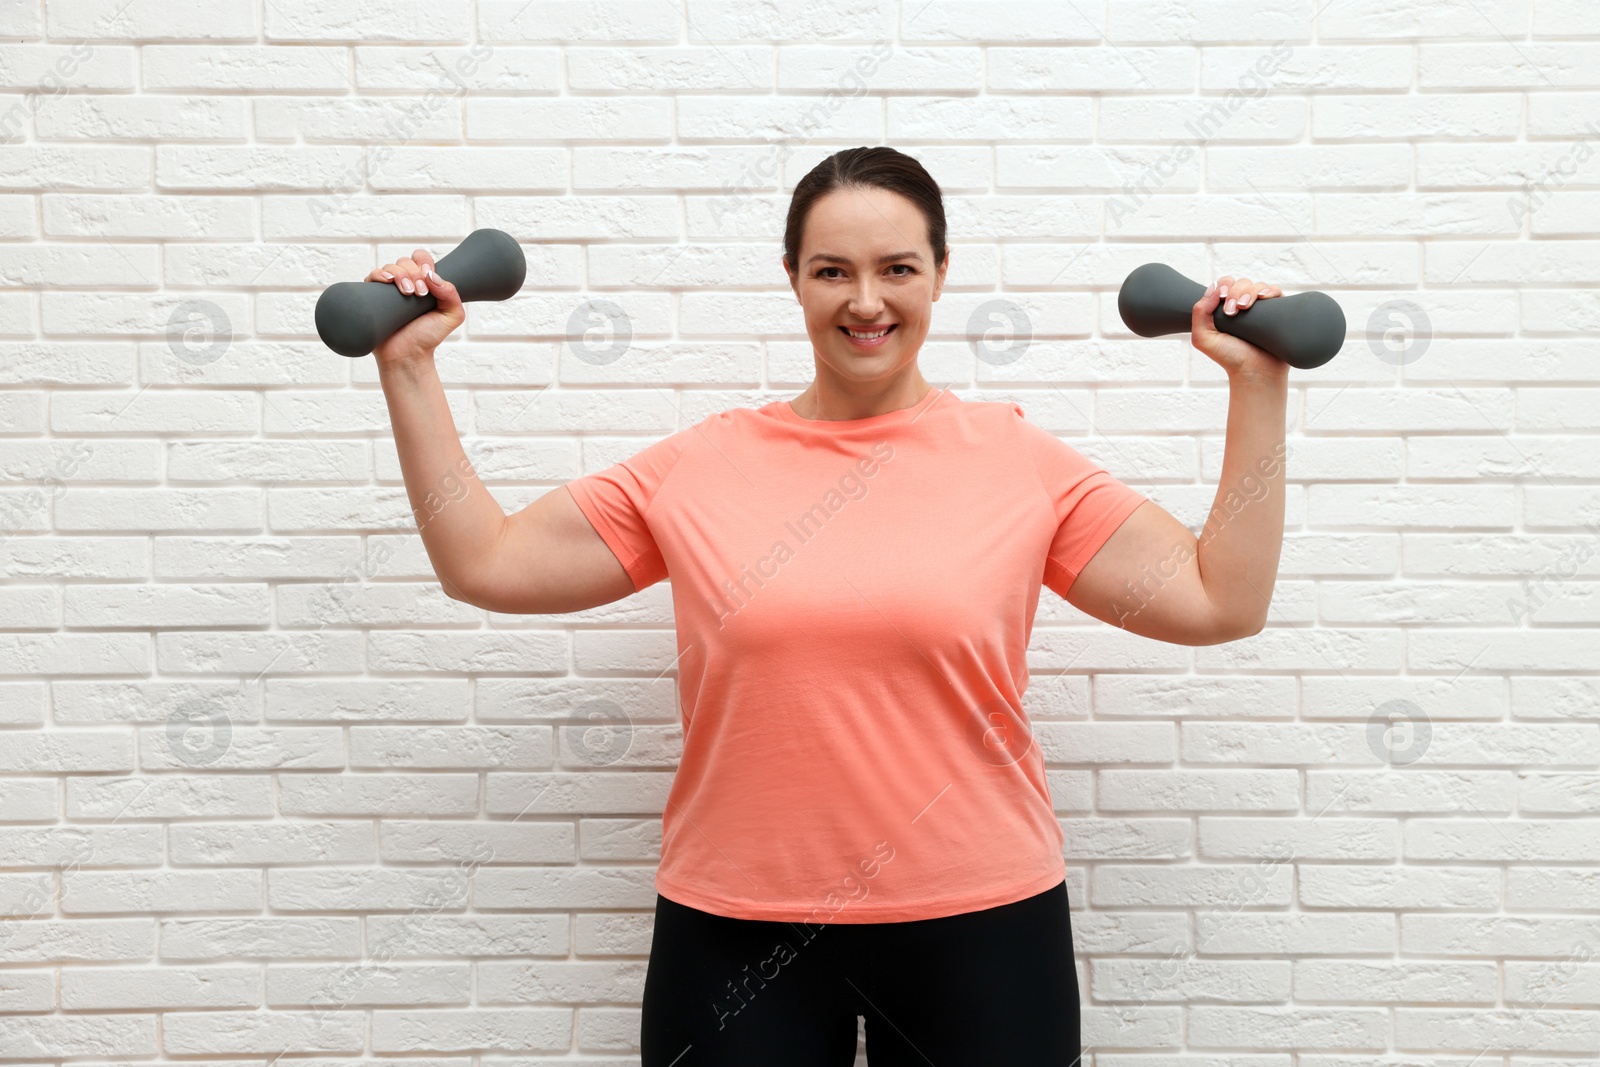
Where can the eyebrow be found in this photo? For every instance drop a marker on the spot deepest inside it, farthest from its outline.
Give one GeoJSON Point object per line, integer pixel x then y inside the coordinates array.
{"type": "Point", "coordinates": [831, 258]}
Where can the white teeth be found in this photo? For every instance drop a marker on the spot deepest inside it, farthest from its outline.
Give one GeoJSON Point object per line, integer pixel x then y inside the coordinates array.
{"type": "Point", "coordinates": [866, 336]}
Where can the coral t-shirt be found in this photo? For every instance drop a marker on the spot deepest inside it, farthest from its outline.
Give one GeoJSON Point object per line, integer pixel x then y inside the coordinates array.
{"type": "Point", "coordinates": [853, 602]}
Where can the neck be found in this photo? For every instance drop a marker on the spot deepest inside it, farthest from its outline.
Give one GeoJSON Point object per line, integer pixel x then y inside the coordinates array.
{"type": "Point", "coordinates": [821, 402]}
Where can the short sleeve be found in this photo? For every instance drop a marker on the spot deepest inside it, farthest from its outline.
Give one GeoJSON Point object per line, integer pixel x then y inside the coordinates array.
{"type": "Point", "coordinates": [1090, 503]}
{"type": "Point", "coordinates": [617, 503]}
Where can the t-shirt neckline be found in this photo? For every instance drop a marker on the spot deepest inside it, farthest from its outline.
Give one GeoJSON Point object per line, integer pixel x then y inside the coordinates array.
{"type": "Point", "coordinates": [783, 410]}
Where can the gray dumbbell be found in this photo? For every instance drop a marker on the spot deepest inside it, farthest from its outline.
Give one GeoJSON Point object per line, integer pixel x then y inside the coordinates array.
{"type": "Point", "coordinates": [353, 318]}
{"type": "Point", "coordinates": [1304, 330]}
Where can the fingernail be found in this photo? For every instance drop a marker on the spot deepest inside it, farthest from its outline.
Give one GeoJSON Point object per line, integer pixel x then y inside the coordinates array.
{"type": "Point", "coordinates": [1228, 308]}
{"type": "Point", "coordinates": [406, 286]}
{"type": "Point", "coordinates": [422, 287]}
{"type": "Point", "coordinates": [1224, 291]}
{"type": "Point", "coordinates": [432, 276]}
{"type": "Point", "coordinates": [1211, 288]}
{"type": "Point", "coordinates": [386, 276]}
{"type": "Point", "coordinates": [1244, 301]}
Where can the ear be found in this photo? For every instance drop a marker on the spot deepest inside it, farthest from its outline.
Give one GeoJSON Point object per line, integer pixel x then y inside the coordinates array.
{"type": "Point", "coordinates": [794, 279]}
{"type": "Point", "coordinates": [938, 281]}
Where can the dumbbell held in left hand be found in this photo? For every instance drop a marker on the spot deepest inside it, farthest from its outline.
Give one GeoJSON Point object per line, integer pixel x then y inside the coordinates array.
{"type": "Point", "coordinates": [1304, 330]}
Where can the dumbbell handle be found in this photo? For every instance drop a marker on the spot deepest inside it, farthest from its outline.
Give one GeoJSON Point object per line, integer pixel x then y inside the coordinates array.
{"type": "Point", "coordinates": [353, 318]}
{"type": "Point", "coordinates": [1304, 330]}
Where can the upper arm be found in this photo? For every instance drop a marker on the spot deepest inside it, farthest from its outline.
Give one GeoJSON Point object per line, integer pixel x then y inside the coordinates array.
{"type": "Point", "coordinates": [548, 560]}
{"type": "Point", "coordinates": [1145, 578]}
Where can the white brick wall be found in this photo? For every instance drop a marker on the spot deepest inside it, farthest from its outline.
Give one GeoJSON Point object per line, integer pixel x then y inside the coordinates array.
{"type": "Point", "coordinates": [265, 790]}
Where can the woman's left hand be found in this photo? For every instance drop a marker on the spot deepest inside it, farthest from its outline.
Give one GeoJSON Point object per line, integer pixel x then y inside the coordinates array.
{"type": "Point", "coordinates": [1234, 354]}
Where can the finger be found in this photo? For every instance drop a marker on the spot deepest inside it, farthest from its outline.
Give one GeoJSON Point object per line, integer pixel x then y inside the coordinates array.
{"type": "Point", "coordinates": [407, 273]}
{"type": "Point", "coordinates": [1258, 291]}
{"type": "Point", "coordinates": [1200, 317]}
{"type": "Point", "coordinates": [381, 274]}
{"type": "Point", "coordinates": [445, 291]}
{"type": "Point", "coordinates": [1241, 288]}
{"type": "Point", "coordinates": [424, 263]}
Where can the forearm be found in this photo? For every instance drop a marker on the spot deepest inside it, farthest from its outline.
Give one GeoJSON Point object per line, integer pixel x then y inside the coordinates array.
{"type": "Point", "coordinates": [459, 520]}
{"type": "Point", "coordinates": [1242, 540]}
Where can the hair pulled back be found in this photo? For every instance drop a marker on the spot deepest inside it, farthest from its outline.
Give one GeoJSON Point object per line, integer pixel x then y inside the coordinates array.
{"type": "Point", "coordinates": [879, 167]}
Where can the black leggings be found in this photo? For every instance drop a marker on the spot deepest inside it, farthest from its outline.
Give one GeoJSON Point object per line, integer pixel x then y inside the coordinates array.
{"type": "Point", "coordinates": [979, 989]}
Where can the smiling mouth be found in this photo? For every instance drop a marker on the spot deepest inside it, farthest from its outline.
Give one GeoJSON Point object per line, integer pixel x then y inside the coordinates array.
{"type": "Point", "coordinates": [880, 331]}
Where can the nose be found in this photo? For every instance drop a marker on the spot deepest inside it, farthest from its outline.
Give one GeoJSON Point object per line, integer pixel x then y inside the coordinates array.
{"type": "Point", "coordinates": [865, 303]}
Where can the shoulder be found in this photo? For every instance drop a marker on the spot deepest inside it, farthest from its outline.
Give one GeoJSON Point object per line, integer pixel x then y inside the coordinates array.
{"type": "Point", "coordinates": [714, 425]}
{"type": "Point", "coordinates": [716, 431]}
{"type": "Point", "coordinates": [1007, 417]}
{"type": "Point", "coordinates": [1054, 458]}
{"type": "Point", "coordinates": [997, 414]}
{"type": "Point", "coordinates": [737, 419]}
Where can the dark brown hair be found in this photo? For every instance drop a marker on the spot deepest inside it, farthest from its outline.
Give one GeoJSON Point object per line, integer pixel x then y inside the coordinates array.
{"type": "Point", "coordinates": [880, 167]}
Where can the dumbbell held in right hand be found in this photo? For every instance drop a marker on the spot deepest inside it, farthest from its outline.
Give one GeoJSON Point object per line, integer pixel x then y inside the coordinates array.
{"type": "Point", "coordinates": [353, 318]}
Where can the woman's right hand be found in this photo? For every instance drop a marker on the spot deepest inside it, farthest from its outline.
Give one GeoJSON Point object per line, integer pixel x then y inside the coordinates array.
{"type": "Point", "coordinates": [418, 338]}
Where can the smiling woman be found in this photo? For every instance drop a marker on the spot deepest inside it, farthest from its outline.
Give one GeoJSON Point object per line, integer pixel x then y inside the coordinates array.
{"type": "Point", "coordinates": [874, 687]}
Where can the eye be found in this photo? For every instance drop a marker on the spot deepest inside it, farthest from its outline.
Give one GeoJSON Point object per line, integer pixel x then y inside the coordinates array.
{"type": "Point", "coordinates": [822, 272]}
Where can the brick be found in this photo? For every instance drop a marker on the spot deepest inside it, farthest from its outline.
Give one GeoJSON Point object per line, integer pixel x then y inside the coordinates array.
{"type": "Point", "coordinates": [1359, 887]}
{"type": "Point", "coordinates": [1384, 982]}
{"type": "Point", "coordinates": [378, 794]}
{"type": "Point", "coordinates": [243, 67]}
{"type": "Point", "coordinates": [259, 938]}
{"type": "Point", "coordinates": [398, 937]}
{"type": "Point", "coordinates": [222, 1032]}
{"type": "Point", "coordinates": [131, 988]}
{"type": "Point", "coordinates": [353, 889]}
{"type": "Point", "coordinates": [256, 844]}
{"type": "Point", "coordinates": [1191, 791]}
{"type": "Point", "coordinates": [330, 986]}
{"type": "Point", "coordinates": [63, 1036]}
{"type": "Point", "coordinates": [109, 892]}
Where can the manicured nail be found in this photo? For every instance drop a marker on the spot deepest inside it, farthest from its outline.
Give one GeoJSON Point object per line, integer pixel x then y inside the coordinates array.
{"type": "Point", "coordinates": [1224, 292]}
{"type": "Point", "coordinates": [1211, 288]}
{"type": "Point", "coordinates": [1229, 307]}
{"type": "Point", "coordinates": [1244, 301]}
{"type": "Point", "coordinates": [386, 276]}
{"type": "Point", "coordinates": [406, 286]}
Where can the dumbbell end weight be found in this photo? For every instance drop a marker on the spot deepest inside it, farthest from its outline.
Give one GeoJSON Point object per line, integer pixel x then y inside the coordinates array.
{"type": "Point", "coordinates": [353, 318]}
{"type": "Point", "coordinates": [1304, 330]}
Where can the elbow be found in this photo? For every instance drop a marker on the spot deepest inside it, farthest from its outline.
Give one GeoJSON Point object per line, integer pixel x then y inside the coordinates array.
{"type": "Point", "coordinates": [456, 592]}
{"type": "Point", "coordinates": [1243, 628]}
{"type": "Point", "coordinates": [1225, 630]}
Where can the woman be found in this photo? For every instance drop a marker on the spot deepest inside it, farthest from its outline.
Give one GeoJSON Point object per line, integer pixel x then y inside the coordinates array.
{"type": "Point", "coordinates": [860, 824]}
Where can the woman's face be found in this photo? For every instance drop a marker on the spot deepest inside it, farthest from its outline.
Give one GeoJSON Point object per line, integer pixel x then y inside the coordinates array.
{"type": "Point", "coordinates": [865, 261]}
